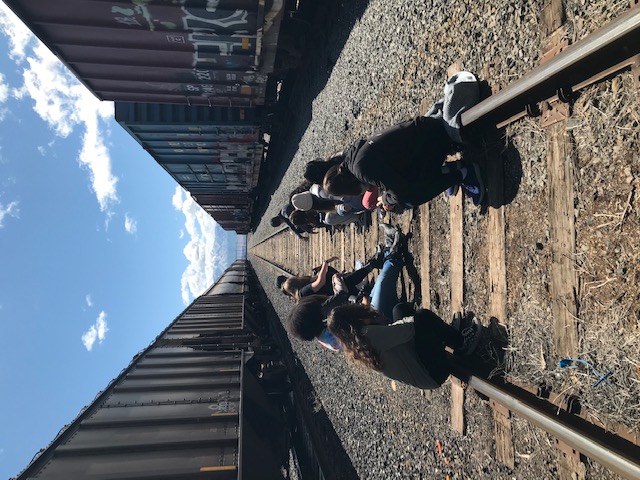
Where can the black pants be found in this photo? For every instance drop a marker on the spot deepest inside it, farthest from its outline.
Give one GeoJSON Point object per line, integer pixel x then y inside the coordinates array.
{"type": "Point", "coordinates": [432, 334]}
{"type": "Point", "coordinates": [354, 278]}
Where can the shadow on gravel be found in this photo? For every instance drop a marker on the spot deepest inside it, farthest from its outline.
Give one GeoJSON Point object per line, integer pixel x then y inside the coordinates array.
{"type": "Point", "coordinates": [316, 443]}
{"type": "Point", "coordinates": [501, 162]}
{"type": "Point", "coordinates": [414, 275]}
{"type": "Point", "coordinates": [327, 25]}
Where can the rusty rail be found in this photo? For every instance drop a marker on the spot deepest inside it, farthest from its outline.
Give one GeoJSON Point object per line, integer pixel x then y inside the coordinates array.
{"type": "Point", "coordinates": [613, 44]}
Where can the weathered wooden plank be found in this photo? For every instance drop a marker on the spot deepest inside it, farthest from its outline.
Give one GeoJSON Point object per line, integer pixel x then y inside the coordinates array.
{"type": "Point", "coordinates": [457, 404]}
{"type": "Point", "coordinates": [456, 272]}
{"type": "Point", "coordinates": [564, 282]}
{"type": "Point", "coordinates": [552, 17]}
{"type": "Point", "coordinates": [425, 257]}
{"type": "Point", "coordinates": [505, 451]}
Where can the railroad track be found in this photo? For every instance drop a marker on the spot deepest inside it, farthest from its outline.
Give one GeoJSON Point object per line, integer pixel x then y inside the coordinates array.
{"type": "Point", "coordinates": [547, 91]}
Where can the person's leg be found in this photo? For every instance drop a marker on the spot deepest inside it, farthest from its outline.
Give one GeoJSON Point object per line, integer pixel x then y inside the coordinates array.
{"type": "Point", "coordinates": [354, 278]}
{"type": "Point", "coordinates": [384, 295]}
{"type": "Point", "coordinates": [431, 336]}
{"type": "Point", "coordinates": [335, 219]}
{"type": "Point", "coordinates": [429, 179]}
{"type": "Point", "coordinates": [436, 327]}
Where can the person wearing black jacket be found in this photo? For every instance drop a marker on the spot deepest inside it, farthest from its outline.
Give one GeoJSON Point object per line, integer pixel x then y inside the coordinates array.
{"type": "Point", "coordinates": [406, 162]}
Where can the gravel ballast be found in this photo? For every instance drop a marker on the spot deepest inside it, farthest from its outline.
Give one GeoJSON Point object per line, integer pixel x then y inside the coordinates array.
{"type": "Point", "coordinates": [372, 64]}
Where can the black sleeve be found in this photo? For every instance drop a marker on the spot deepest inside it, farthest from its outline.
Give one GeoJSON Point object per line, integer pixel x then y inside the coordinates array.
{"type": "Point", "coordinates": [306, 291]}
{"type": "Point", "coordinates": [340, 298]}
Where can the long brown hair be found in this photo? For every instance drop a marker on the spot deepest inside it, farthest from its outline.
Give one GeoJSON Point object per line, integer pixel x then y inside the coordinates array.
{"type": "Point", "coordinates": [340, 181]}
{"type": "Point", "coordinates": [346, 323]}
{"type": "Point", "coordinates": [292, 285]}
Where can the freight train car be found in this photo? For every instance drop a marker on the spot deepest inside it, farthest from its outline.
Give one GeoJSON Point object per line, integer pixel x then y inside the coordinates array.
{"type": "Point", "coordinates": [214, 153]}
{"type": "Point", "coordinates": [205, 400]}
{"type": "Point", "coordinates": [190, 52]}
{"type": "Point", "coordinates": [214, 58]}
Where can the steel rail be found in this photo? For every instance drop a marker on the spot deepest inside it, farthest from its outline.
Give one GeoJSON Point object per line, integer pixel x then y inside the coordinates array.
{"type": "Point", "coordinates": [604, 447]}
{"type": "Point", "coordinates": [277, 268]}
{"type": "Point", "coordinates": [271, 235]}
{"type": "Point", "coordinates": [611, 45]}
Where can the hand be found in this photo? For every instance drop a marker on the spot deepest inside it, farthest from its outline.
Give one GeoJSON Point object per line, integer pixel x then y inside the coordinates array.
{"type": "Point", "coordinates": [384, 206]}
{"type": "Point", "coordinates": [338, 283]}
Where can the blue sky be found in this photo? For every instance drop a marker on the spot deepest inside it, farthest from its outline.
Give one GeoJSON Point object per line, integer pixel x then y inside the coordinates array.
{"type": "Point", "coordinates": [99, 247]}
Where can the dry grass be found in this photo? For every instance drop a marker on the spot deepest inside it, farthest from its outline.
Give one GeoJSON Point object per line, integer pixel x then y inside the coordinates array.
{"type": "Point", "coordinates": [606, 131]}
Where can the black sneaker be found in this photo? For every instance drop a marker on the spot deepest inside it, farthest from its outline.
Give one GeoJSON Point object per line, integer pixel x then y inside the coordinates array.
{"type": "Point", "coordinates": [377, 260]}
{"type": "Point", "coordinates": [452, 191]}
{"type": "Point", "coordinates": [471, 338]}
{"type": "Point", "coordinates": [473, 184]}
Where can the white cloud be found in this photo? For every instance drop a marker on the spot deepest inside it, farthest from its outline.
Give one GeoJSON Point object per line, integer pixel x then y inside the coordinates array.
{"type": "Point", "coordinates": [10, 210]}
{"type": "Point", "coordinates": [17, 32]}
{"type": "Point", "coordinates": [130, 225]}
{"type": "Point", "coordinates": [4, 89]}
{"type": "Point", "coordinates": [89, 300]}
{"type": "Point", "coordinates": [181, 234]}
{"type": "Point", "coordinates": [63, 103]}
{"type": "Point", "coordinates": [4, 96]}
{"type": "Point", "coordinates": [97, 331]}
{"type": "Point", "coordinates": [205, 250]}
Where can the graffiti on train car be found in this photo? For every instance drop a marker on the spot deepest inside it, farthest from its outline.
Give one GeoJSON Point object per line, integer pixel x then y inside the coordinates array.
{"type": "Point", "coordinates": [209, 28]}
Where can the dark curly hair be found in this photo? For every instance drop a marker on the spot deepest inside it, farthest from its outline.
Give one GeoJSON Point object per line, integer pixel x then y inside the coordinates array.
{"type": "Point", "coordinates": [346, 323]}
{"type": "Point", "coordinates": [306, 319]}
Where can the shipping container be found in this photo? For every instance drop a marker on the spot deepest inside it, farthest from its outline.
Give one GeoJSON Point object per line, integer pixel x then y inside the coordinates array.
{"type": "Point", "coordinates": [191, 405]}
{"type": "Point", "coordinates": [215, 153]}
{"type": "Point", "coordinates": [190, 52]}
{"type": "Point", "coordinates": [205, 149]}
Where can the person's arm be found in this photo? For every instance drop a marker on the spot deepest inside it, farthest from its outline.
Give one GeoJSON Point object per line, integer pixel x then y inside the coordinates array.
{"type": "Point", "coordinates": [328, 260]}
{"type": "Point", "coordinates": [320, 278]}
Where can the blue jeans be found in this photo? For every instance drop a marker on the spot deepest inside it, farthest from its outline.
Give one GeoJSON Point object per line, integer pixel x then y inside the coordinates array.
{"type": "Point", "coordinates": [383, 293]}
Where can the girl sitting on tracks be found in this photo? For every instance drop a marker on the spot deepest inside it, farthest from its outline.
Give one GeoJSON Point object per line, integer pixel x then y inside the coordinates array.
{"type": "Point", "coordinates": [298, 287]}
{"type": "Point", "coordinates": [410, 350]}
{"type": "Point", "coordinates": [406, 160]}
